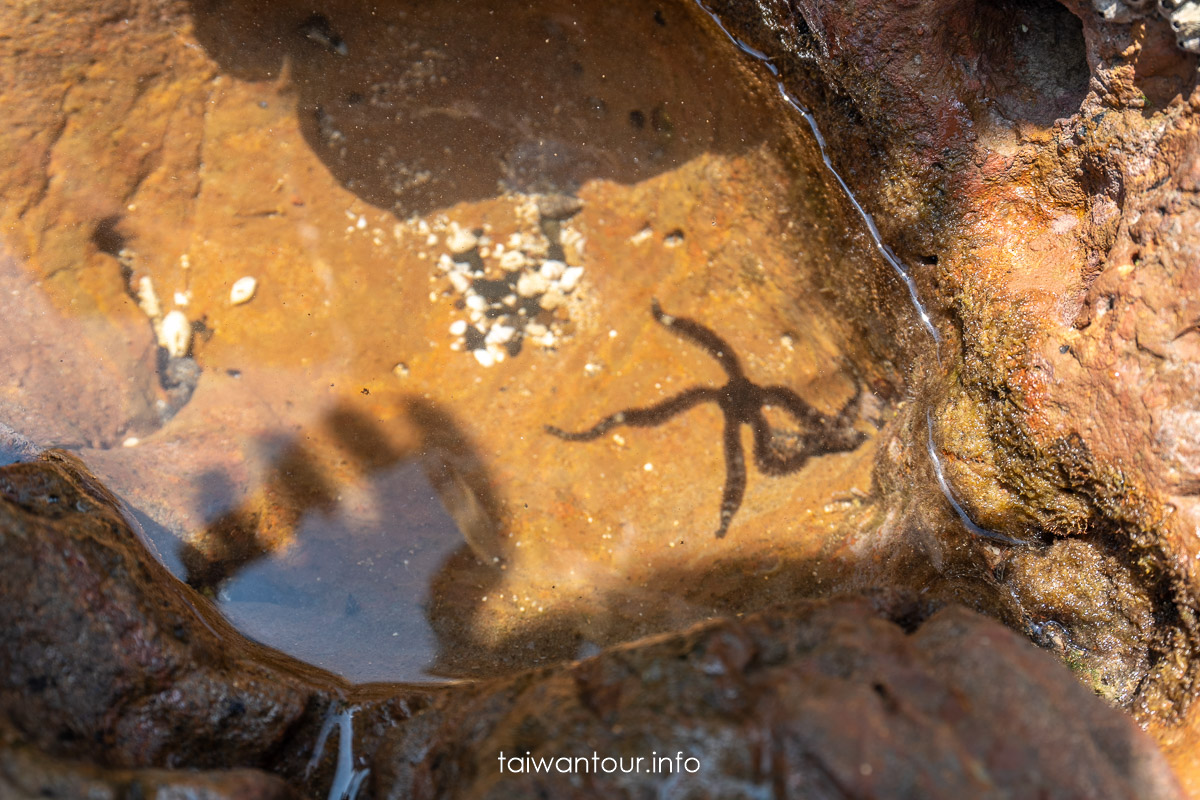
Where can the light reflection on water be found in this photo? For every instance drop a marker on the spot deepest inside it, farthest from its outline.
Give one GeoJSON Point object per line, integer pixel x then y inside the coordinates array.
{"type": "Point", "coordinates": [348, 595]}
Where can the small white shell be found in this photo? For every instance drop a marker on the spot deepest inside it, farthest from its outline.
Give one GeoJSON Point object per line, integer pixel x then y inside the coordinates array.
{"type": "Point", "coordinates": [460, 240]}
{"type": "Point", "coordinates": [175, 334]}
{"type": "Point", "coordinates": [459, 281]}
{"type": "Point", "coordinates": [458, 327]}
{"type": "Point", "coordinates": [512, 260]}
{"type": "Point", "coordinates": [243, 289]}
{"type": "Point", "coordinates": [552, 299]}
{"type": "Point", "coordinates": [499, 334]}
{"type": "Point", "coordinates": [476, 302]}
{"type": "Point", "coordinates": [484, 358]}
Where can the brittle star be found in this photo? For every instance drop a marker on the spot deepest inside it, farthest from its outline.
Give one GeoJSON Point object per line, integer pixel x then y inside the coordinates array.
{"type": "Point", "coordinates": [742, 402]}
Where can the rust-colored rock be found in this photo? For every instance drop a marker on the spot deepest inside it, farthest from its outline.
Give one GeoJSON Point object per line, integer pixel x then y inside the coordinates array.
{"type": "Point", "coordinates": [1033, 163]}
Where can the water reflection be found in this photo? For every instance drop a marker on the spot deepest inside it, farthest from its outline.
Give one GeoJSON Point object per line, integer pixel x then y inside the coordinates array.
{"type": "Point", "coordinates": [331, 559]}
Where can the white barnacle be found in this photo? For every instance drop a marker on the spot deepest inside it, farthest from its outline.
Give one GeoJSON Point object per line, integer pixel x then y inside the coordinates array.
{"type": "Point", "coordinates": [243, 290]}
{"type": "Point", "coordinates": [175, 334]}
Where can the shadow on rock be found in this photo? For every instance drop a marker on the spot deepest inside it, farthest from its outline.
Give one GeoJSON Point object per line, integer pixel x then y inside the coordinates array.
{"type": "Point", "coordinates": [311, 469]}
{"type": "Point", "coordinates": [415, 107]}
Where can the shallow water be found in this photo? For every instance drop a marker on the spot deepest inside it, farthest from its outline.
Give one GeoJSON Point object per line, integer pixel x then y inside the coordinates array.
{"type": "Point", "coordinates": [353, 461]}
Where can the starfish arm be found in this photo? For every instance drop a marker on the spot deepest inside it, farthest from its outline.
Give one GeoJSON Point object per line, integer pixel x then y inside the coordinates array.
{"type": "Point", "coordinates": [735, 475]}
{"type": "Point", "coordinates": [697, 334]}
{"type": "Point", "coordinates": [771, 459]}
{"type": "Point", "coordinates": [642, 417]}
{"type": "Point", "coordinates": [818, 433]}
{"type": "Point", "coordinates": [794, 405]}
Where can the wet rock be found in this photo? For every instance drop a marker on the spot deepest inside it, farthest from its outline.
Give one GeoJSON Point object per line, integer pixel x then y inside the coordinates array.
{"type": "Point", "coordinates": [108, 658]}
{"type": "Point", "coordinates": [52, 353]}
{"type": "Point", "coordinates": [826, 701]}
{"type": "Point", "coordinates": [108, 661]}
{"type": "Point", "coordinates": [29, 774]}
{"type": "Point", "coordinates": [1032, 164]}
{"type": "Point", "coordinates": [1043, 198]}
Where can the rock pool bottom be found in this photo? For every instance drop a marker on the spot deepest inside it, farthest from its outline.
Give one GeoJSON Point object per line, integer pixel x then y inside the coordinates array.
{"type": "Point", "coordinates": [118, 679]}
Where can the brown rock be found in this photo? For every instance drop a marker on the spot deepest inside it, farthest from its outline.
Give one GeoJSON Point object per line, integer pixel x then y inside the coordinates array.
{"type": "Point", "coordinates": [105, 656]}
{"type": "Point", "coordinates": [108, 659]}
{"type": "Point", "coordinates": [1032, 164]}
{"type": "Point", "coordinates": [29, 774]}
{"type": "Point", "coordinates": [824, 701]}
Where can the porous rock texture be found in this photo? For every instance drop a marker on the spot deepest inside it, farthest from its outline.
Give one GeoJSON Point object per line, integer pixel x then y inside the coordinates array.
{"type": "Point", "coordinates": [1035, 164]}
